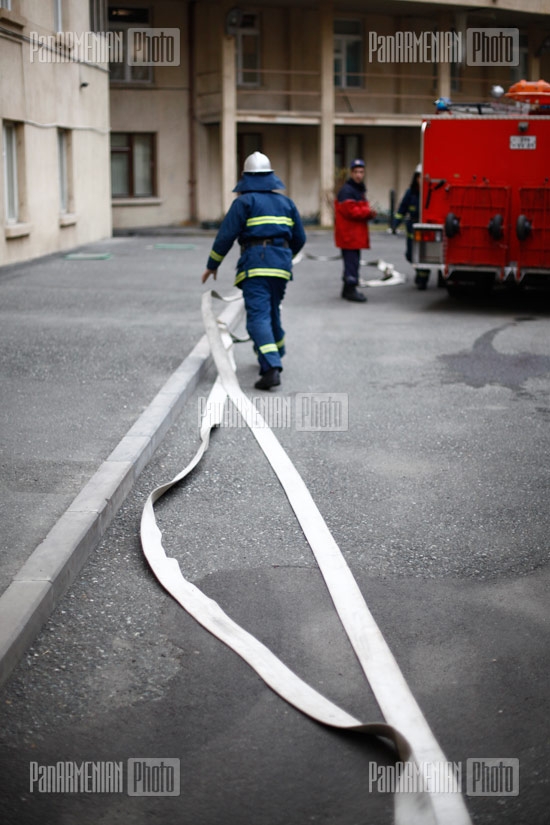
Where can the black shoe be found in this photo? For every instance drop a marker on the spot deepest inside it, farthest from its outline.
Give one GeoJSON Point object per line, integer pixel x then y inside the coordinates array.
{"type": "Point", "coordinates": [271, 378]}
{"type": "Point", "coordinates": [350, 293]}
{"type": "Point", "coordinates": [421, 280]}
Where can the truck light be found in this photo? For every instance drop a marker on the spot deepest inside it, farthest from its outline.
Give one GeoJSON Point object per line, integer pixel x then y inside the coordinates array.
{"type": "Point", "coordinates": [430, 235]}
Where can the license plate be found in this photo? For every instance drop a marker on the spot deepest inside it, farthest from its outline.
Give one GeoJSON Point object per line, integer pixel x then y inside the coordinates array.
{"type": "Point", "coordinates": [523, 141]}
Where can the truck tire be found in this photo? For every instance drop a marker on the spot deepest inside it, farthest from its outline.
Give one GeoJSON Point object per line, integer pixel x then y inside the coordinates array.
{"type": "Point", "coordinates": [523, 227]}
{"type": "Point", "coordinates": [454, 290]}
{"type": "Point", "coordinates": [495, 228]}
{"type": "Point", "coordinates": [452, 225]}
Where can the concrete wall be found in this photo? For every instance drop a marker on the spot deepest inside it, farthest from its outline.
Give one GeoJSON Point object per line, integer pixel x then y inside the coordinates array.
{"type": "Point", "coordinates": [386, 111]}
{"type": "Point", "coordinates": [41, 97]}
{"type": "Point", "coordinates": [161, 107]}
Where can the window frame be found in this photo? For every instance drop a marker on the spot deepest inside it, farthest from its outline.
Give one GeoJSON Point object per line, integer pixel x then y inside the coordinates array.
{"type": "Point", "coordinates": [63, 170]}
{"type": "Point", "coordinates": [11, 175]}
{"type": "Point", "coordinates": [242, 31]}
{"type": "Point", "coordinates": [343, 153]}
{"type": "Point", "coordinates": [341, 80]}
{"type": "Point", "coordinates": [99, 16]}
{"type": "Point", "coordinates": [122, 27]}
{"type": "Point", "coordinates": [58, 15]}
{"type": "Point", "coordinates": [130, 152]}
{"type": "Point", "coordinates": [520, 71]}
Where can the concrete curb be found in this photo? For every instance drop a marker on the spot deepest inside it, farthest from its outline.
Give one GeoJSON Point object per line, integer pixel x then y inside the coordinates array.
{"type": "Point", "coordinates": [53, 566]}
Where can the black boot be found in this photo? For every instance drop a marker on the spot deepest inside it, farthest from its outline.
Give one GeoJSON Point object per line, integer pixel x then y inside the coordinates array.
{"type": "Point", "coordinates": [350, 293]}
{"type": "Point", "coordinates": [271, 378]}
{"type": "Point", "coordinates": [421, 279]}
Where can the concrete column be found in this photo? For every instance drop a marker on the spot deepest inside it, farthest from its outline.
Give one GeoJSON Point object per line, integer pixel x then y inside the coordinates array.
{"type": "Point", "coordinates": [326, 136]}
{"type": "Point", "coordinates": [443, 79]}
{"type": "Point", "coordinates": [444, 69]}
{"type": "Point", "coordinates": [228, 125]}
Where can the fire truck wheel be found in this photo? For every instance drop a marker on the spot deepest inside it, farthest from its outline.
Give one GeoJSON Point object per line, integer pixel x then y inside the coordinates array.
{"type": "Point", "coordinates": [495, 227]}
{"type": "Point", "coordinates": [453, 290]}
{"type": "Point", "coordinates": [523, 227]}
{"type": "Point", "coordinates": [452, 225]}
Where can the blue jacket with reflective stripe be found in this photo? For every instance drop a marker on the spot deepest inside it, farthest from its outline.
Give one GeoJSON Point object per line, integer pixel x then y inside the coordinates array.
{"type": "Point", "coordinates": [259, 213]}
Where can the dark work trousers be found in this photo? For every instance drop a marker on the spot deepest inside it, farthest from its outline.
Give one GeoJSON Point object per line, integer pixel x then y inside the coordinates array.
{"type": "Point", "coordinates": [410, 235]}
{"type": "Point", "coordinates": [262, 301]}
{"type": "Point", "coordinates": [351, 259]}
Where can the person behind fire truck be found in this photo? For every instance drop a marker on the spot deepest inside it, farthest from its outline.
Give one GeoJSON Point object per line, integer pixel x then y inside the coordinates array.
{"type": "Point", "coordinates": [270, 233]}
{"type": "Point", "coordinates": [408, 212]}
{"type": "Point", "coordinates": [351, 232]}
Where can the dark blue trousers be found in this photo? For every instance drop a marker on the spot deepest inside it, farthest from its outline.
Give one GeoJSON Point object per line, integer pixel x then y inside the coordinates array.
{"type": "Point", "coordinates": [262, 301]}
{"type": "Point", "coordinates": [351, 258]}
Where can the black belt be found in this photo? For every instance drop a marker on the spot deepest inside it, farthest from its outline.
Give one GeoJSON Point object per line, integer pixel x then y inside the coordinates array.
{"type": "Point", "coordinates": [263, 242]}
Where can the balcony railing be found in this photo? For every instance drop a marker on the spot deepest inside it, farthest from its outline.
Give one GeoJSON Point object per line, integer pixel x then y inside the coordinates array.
{"type": "Point", "coordinates": [297, 94]}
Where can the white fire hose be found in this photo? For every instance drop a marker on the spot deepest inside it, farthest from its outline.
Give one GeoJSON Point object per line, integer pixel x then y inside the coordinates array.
{"type": "Point", "coordinates": [405, 725]}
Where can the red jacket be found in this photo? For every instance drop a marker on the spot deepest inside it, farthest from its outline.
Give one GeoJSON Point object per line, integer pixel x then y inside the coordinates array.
{"type": "Point", "coordinates": [351, 230]}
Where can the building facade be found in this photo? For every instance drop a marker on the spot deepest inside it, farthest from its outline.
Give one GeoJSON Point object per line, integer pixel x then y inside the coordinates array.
{"type": "Point", "coordinates": [312, 84]}
{"type": "Point", "coordinates": [159, 139]}
{"type": "Point", "coordinates": [55, 136]}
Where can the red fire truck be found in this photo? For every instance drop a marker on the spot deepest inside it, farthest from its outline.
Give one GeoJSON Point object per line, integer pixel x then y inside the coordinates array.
{"type": "Point", "coordinates": [485, 192]}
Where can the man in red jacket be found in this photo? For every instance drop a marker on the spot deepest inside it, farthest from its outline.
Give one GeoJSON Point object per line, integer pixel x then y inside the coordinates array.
{"type": "Point", "coordinates": [351, 232]}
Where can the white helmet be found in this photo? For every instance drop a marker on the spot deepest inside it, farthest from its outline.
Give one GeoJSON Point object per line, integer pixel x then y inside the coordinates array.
{"type": "Point", "coordinates": [418, 170]}
{"type": "Point", "coordinates": [257, 162]}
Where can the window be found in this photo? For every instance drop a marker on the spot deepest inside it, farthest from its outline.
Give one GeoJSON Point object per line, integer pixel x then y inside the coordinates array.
{"type": "Point", "coordinates": [456, 77]}
{"type": "Point", "coordinates": [348, 54]}
{"type": "Point", "coordinates": [120, 20]}
{"type": "Point", "coordinates": [58, 15]}
{"type": "Point", "coordinates": [98, 15]}
{"type": "Point", "coordinates": [248, 51]}
{"type": "Point", "coordinates": [5, 4]}
{"type": "Point", "coordinates": [132, 165]}
{"type": "Point", "coordinates": [346, 149]}
{"type": "Point", "coordinates": [519, 72]}
{"type": "Point", "coordinates": [63, 140]}
{"type": "Point", "coordinates": [11, 190]}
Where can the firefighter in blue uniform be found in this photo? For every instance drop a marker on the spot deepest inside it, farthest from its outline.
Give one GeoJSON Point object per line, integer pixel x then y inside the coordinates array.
{"type": "Point", "coordinates": [408, 212]}
{"type": "Point", "coordinates": [269, 230]}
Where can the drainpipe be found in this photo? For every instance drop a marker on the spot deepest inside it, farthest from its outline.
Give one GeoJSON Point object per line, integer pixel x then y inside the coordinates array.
{"type": "Point", "coordinates": [191, 112]}
{"type": "Point", "coordinates": [326, 131]}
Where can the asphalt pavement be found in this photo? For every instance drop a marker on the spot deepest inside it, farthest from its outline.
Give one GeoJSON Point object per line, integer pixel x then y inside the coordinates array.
{"type": "Point", "coordinates": [435, 489]}
{"type": "Point", "coordinates": [101, 348]}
